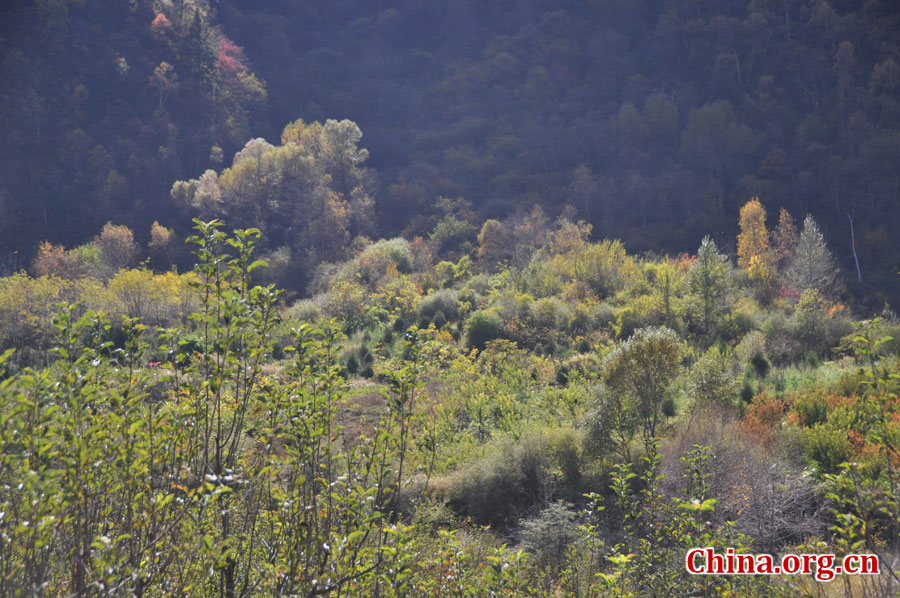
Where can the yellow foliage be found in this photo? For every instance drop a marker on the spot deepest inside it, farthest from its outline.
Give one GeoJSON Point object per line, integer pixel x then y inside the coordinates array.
{"type": "Point", "coordinates": [753, 241]}
{"type": "Point", "coordinates": [759, 269]}
{"type": "Point", "coordinates": [398, 295]}
{"type": "Point", "coordinates": [159, 299]}
{"type": "Point", "coordinates": [27, 306]}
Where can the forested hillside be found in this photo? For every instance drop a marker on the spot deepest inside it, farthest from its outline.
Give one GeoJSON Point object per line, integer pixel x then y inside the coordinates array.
{"type": "Point", "coordinates": [428, 299]}
{"type": "Point", "coordinates": [654, 120]}
{"type": "Point", "coordinates": [104, 105]}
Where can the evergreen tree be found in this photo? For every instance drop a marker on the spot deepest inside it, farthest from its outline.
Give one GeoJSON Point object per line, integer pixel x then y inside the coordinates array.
{"type": "Point", "coordinates": [812, 266]}
{"type": "Point", "coordinates": [707, 280]}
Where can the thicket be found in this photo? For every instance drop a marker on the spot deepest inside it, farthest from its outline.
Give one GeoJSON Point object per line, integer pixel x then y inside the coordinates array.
{"type": "Point", "coordinates": [572, 425]}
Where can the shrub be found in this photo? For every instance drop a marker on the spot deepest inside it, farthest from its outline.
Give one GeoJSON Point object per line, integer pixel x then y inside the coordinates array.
{"type": "Point", "coordinates": [548, 314]}
{"type": "Point", "coordinates": [549, 535]}
{"type": "Point", "coordinates": [736, 325]}
{"type": "Point", "coordinates": [506, 483]}
{"type": "Point", "coordinates": [444, 302]}
{"type": "Point", "coordinates": [747, 391]}
{"type": "Point", "coordinates": [812, 409]}
{"type": "Point", "coordinates": [827, 447]}
{"type": "Point", "coordinates": [712, 379]}
{"type": "Point", "coordinates": [580, 322]}
{"type": "Point", "coordinates": [668, 407]}
{"type": "Point", "coordinates": [753, 343]}
{"type": "Point", "coordinates": [760, 365]}
{"type": "Point", "coordinates": [781, 343]}
{"type": "Point", "coordinates": [375, 260]}
{"type": "Point", "coordinates": [483, 326]}
{"type": "Point", "coordinates": [305, 310]}
{"type": "Point", "coordinates": [352, 363]}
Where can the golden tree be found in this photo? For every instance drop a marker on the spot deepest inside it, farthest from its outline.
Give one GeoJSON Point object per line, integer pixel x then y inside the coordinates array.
{"type": "Point", "coordinates": [753, 242]}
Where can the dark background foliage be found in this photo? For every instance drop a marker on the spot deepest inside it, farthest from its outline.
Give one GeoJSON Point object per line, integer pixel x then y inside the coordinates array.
{"type": "Point", "coordinates": [654, 120]}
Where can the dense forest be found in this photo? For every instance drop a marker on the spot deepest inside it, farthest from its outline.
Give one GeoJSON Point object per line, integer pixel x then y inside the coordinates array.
{"type": "Point", "coordinates": [461, 299]}
{"type": "Point", "coordinates": [654, 120]}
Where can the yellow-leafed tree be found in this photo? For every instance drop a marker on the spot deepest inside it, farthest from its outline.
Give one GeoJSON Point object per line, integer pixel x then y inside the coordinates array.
{"type": "Point", "coordinates": [754, 256]}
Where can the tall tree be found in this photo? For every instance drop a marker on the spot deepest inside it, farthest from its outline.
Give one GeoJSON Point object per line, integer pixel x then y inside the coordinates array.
{"type": "Point", "coordinates": [753, 242]}
{"type": "Point", "coordinates": [812, 266]}
{"type": "Point", "coordinates": [784, 239]}
{"type": "Point", "coordinates": [706, 279]}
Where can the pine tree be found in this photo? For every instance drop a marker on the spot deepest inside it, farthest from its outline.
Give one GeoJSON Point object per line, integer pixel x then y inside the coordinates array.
{"type": "Point", "coordinates": [812, 266]}
{"type": "Point", "coordinates": [707, 280]}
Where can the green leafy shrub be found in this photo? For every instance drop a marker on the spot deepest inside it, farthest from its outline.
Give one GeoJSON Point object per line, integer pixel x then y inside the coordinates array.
{"type": "Point", "coordinates": [711, 380]}
{"type": "Point", "coordinates": [827, 447]}
{"type": "Point", "coordinates": [483, 326]}
{"type": "Point", "coordinates": [760, 364]}
{"type": "Point", "coordinates": [443, 301]}
{"type": "Point", "coordinates": [812, 409]}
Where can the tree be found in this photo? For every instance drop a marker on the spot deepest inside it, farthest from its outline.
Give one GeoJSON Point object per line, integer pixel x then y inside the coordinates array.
{"type": "Point", "coordinates": [310, 193]}
{"type": "Point", "coordinates": [117, 247]}
{"type": "Point", "coordinates": [784, 239]}
{"type": "Point", "coordinates": [712, 380]}
{"type": "Point", "coordinates": [343, 158]}
{"type": "Point", "coordinates": [494, 243]}
{"type": "Point", "coordinates": [165, 80]}
{"type": "Point", "coordinates": [812, 266]}
{"type": "Point", "coordinates": [642, 369]}
{"type": "Point", "coordinates": [754, 255]}
{"type": "Point", "coordinates": [161, 241]}
{"type": "Point", "coordinates": [483, 326]}
{"type": "Point", "coordinates": [714, 139]}
{"type": "Point", "coordinates": [753, 241]}
{"type": "Point", "coordinates": [584, 189]}
{"type": "Point", "coordinates": [706, 280]}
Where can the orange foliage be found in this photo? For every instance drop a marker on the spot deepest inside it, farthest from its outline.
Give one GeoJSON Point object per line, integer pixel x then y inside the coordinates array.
{"type": "Point", "coordinates": [54, 260]}
{"type": "Point", "coordinates": [160, 24]}
{"type": "Point", "coordinates": [764, 413]}
{"type": "Point", "coordinates": [684, 262]}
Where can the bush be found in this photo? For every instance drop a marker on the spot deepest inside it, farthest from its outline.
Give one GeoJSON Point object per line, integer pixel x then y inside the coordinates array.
{"type": "Point", "coordinates": [305, 310]}
{"type": "Point", "coordinates": [668, 407]}
{"type": "Point", "coordinates": [483, 326]}
{"type": "Point", "coordinates": [444, 302]}
{"type": "Point", "coordinates": [736, 325]}
{"type": "Point", "coordinates": [747, 391]}
{"type": "Point", "coordinates": [812, 409]}
{"type": "Point", "coordinates": [753, 343]}
{"type": "Point", "coordinates": [781, 343]}
{"type": "Point", "coordinates": [760, 365]}
{"type": "Point", "coordinates": [507, 482]}
{"type": "Point", "coordinates": [352, 363]}
{"type": "Point", "coordinates": [376, 259]}
{"type": "Point", "coordinates": [549, 535]}
{"type": "Point", "coordinates": [514, 478]}
{"type": "Point", "coordinates": [548, 314]}
{"type": "Point", "coordinates": [827, 447]}
{"type": "Point", "coordinates": [439, 320]}
{"type": "Point", "coordinates": [712, 380]}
